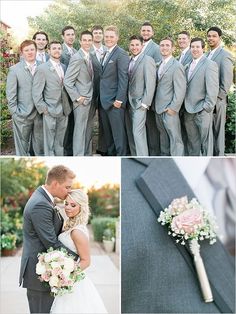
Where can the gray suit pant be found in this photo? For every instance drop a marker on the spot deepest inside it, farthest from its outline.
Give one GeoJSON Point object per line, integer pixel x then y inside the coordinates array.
{"type": "Point", "coordinates": [113, 121]}
{"type": "Point", "coordinates": [219, 118]}
{"type": "Point", "coordinates": [129, 131]}
{"type": "Point", "coordinates": [24, 130]}
{"type": "Point", "coordinates": [81, 114]}
{"type": "Point", "coordinates": [153, 136]}
{"type": "Point", "coordinates": [171, 143]}
{"type": "Point", "coordinates": [39, 301]}
{"type": "Point", "coordinates": [138, 117]}
{"type": "Point", "coordinates": [54, 130]}
{"type": "Point", "coordinates": [199, 131]}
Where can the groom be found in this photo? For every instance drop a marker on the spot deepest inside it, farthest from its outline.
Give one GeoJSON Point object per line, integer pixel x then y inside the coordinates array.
{"type": "Point", "coordinates": [42, 225]}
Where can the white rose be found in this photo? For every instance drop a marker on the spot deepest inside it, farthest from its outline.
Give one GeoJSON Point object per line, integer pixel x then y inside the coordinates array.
{"type": "Point", "coordinates": [55, 265]}
{"type": "Point", "coordinates": [48, 257]}
{"type": "Point", "coordinates": [53, 282]}
{"type": "Point", "coordinates": [69, 264]}
{"type": "Point", "coordinates": [40, 268]}
{"type": "Point", "coordinates": [66, 273]}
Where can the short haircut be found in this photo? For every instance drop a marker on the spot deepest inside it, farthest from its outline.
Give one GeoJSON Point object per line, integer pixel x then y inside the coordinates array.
{"type": "Point", "coordinates": [147, 24]}
{"type": "Point", "coordinates": [168, 38]}
{"type": "Point", "coordinates": [112, 28]}
{"type": "Point", "coordinates": [85, 33]}
{"type": "Point", "coordinates": [53, 42]}
{"type": "Point", "coordinates": [40, 33]}
{"type": "Point", "coordinates": [97, 27]}
{"type": "Point", "coordinates": [136, 37]}
{"type": "Point", "coordinates": [66, 29]}
{"type": "Point", "coordinates": [215, 29]}
{"type": "Point", "coordinates": [26, 43]}
{"type": "Point", "coordinates": [184, 33]}
{"type": "Point", "coordinates": [60, 174]}
{"type": "Point", "coordinates": [198, 39]}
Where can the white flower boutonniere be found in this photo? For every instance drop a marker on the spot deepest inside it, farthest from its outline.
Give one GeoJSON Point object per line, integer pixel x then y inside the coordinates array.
{"type": "Point", "coordinates": [189, 221]}
{"type": "Point", "coordinates": [57, 210]}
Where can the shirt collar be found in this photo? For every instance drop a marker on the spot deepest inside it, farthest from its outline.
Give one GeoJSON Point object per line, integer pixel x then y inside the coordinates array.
{"type": "Point", "coordinates": [86, 54]}
{"type": "Point", "coordinates": [190, 171]}
{"type": "Point", "coordinates": [68, 48]}
{"type": "Point", "coordinates": [185, 50]}
{"type": "Point", "coordinates": [197, 60]}
{"type": "Point", "coordinates": [29, 65]}
{"type": "Point", "coordinates": [54, 63]}
{"type": "Point", "coordinates": [167, 59]}
{"type": "Point", "coordinates": [110, 49]}
{"type": "Point", "coordinates": [48, 194]}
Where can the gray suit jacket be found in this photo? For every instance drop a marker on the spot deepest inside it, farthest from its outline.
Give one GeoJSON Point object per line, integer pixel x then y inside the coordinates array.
{"type": "Point", "coordinates": [142, 82]}
{"type": "Point", "coordinates": [202, 86]}
{"type": "Point", "coordinates": [171, 87]}
{"type": "Point", "coordinates": [78, 81]}
{"type": "Point", "coordinates": [49, 92]}
{"type": "Point", "coordinates": [187, 57]}
{"type": "Point", "coordinates": [65, 56]}
{"type": "Point", "coordinates": [19, 91]}
{"type": "Point", "coordinates": [153, 51]}
{"type": "Point", "coordinates": [42, 225]}
{"type": "Point", "coordinates": [114, 78]}
{"type": "Point", "coordinates": [158, 275]}
{"type": "Point", "coordinates": [224, 61]}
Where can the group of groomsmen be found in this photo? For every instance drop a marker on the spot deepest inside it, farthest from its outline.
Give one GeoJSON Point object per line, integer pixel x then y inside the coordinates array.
{"type": "Point", "coordinates": [148, 104]}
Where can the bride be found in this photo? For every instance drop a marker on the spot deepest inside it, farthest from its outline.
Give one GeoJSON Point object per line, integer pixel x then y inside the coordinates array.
{"type": "Point", "coordinates": [84, 298]}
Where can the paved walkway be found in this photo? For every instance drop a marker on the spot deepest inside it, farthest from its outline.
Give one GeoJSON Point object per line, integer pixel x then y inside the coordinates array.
{"type": "Point", "coordinates": [104, 272]}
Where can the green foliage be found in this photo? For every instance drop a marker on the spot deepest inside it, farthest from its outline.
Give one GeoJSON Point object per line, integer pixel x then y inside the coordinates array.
{"type": "Point", "coordinates": [12, 223]}
{"type": "Point", "coordinates": [167, 17]}
{"type": "Point", "coordinates": [230, 126]}
{"type": "Point", "coordinates": [19, 178]}
{"type": "Point", "coordinates": [99, 224]}
{"type": "Point", "coordinates": [108, 235]}
{"type": "Point", "coordinates": [104, 201]}
{"type": "Point", "coordinates": [8, 241]}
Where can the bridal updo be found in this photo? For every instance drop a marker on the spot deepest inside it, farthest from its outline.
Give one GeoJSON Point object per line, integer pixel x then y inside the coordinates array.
{"type": "Point", "coordinates": [81, 198]}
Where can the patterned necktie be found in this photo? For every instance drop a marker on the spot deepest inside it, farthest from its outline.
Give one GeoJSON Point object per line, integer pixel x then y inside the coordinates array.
{"type": "Point", "coordinates": [191, 68]}
{"type": "Point", "coordinates": [161, 69]}
{"type": "Point", "coordinates": [32, 68]}
{"type": "Point", "coordinates": [90, 66]}
{"type": "Point", "coordinates": [131, 66]}
{"type": "Point", "coordinates": [60, 72]}
{"type": "Point", "coordinates": [41, 57]}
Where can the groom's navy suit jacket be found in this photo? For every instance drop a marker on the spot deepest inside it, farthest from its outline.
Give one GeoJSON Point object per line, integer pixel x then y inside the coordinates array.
{"type": "Point", "coordinates": [42, 225]}
{"type": "Point", "coordinates": [158, 275]}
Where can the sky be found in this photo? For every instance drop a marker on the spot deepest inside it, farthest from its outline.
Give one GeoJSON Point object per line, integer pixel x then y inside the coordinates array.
{"type": "Point", "coordinates": [89, 171]}
{"type": "Point", "coordinates": [15, 12]}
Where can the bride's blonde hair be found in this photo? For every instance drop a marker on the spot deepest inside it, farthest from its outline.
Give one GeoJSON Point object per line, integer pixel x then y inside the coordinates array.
{"type": "Point", "coordinates": [81, 198]}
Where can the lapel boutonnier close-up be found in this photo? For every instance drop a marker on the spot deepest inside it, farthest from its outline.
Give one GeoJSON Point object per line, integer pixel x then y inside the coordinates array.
{"type": "Point", "coordinates": [57, 210]}
{"type": "Point", "coordinates": [189, 221]}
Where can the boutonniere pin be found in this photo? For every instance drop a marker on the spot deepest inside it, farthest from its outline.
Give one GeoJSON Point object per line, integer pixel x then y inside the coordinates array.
{"type": "Point", "coordinates": [189, 221]}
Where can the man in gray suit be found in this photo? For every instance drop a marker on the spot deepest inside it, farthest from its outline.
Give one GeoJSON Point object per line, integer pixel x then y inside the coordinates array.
{"type": "Point", "coordinates": [42, 225]}
{"type": "Point", "coordinates": [151, 49]}
{"type": "Point", "coordinates": [183, 41]}
{"type": "Point", "coordinates": [200, 100]}
{"type": "Point", "coordinates": [79, 85]}
{"type": "Point", "coordinates": [224, 61]}
{"type": "Point", "coordinates": [51, 100]}
{"type": "Point", "coordinates": [113, 93]}
{"type": "Point", "coordinates": [142, 83]}
{"type": "Point", "coordinates": [170, 93]}
{"type": "Point", "coordinates": [27, 123]}
{"type": "Point", "coordinates": [68, 36]}
{"type": "Point", "coordinates": [158, 274]}
{"type": "Point", "coordinates": [41, 40]}
{"type": "Point", "coordinates": [97, 53]}
{"type": "Point", "coordinates": [184, 58]}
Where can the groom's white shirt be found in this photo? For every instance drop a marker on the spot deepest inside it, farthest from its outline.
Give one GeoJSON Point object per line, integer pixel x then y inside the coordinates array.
{"type": "Point", "coordinates": [49, 194]}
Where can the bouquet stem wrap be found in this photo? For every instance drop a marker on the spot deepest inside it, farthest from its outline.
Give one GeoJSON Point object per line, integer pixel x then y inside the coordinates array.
{"type": "Point", "coordinates": [201, 272]}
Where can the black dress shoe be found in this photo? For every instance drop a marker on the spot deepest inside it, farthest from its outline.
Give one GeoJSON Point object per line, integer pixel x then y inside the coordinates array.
{"type": "Point", "coordinates": [101, 153]}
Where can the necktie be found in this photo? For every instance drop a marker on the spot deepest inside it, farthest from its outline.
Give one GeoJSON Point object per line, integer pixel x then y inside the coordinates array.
{"type": "Point", "coordinates": [210, 55]}
{"type": "Point", "coordinates": [224, 199]}
{"type": "Point", "coordinates": [105, 58]}
{"type": "Point", "coordinates": [90, 66]}
{"type": "Point", "coordinates": [191, 68]}
{"type": "Point", "coordinates": [32, 69]}
{"type": "Point", "coordinates": [60, 71]}
{"type": "Point", "coordinates": [99, 54]}
{"type": "Point", "coordinates": [131, 66]}
{"type": "Point", "coordinates": [41, 57]}
{"type": "Point", "coordinates": [181, 57]}
{"type": "Point", "coordinates": [161, 69]}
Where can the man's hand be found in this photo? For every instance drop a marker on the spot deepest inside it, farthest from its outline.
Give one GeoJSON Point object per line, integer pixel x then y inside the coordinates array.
{"type": "Point", "coordinates": [117, 103]}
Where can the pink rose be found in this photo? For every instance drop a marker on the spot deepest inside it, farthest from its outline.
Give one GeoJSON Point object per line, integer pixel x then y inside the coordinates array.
{"type": "Point", "coordinates": [178, 205]}
{"type": "Point", "coordinates": [189, 221]}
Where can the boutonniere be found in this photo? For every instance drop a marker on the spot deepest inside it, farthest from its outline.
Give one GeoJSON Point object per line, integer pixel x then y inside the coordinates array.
{"type": "Point", "coordinates": [189, 221]}
{"type": "Point", "coordinates": [52, 68]}
{"type": "Point", "coordinates": [158, 64]}
{"type": "Point", "coordinates": [57, 210]}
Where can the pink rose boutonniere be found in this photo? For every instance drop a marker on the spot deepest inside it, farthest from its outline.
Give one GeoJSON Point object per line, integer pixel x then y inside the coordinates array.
{"type": "Point", "coordinates": [189, 221]}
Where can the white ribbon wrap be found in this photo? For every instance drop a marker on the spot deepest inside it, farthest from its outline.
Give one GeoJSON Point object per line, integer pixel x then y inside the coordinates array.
{"type": "Point", "coordinates": [201, 272]}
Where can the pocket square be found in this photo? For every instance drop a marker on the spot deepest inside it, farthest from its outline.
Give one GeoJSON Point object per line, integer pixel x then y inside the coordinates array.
{"type": "Point", "coordinates": [111, 61]}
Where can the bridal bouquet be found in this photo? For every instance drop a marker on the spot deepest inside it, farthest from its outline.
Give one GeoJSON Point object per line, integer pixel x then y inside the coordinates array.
{"type": "Point", "coordinates": [189, 221]}
{"type": "Point", "coordinates": [59, 270]}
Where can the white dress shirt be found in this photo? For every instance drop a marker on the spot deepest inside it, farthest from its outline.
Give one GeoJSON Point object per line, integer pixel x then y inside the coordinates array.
{"type": "Point", "coordinates": [48, 194]}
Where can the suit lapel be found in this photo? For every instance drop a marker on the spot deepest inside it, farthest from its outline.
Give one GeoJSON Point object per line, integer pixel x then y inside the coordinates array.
{"type": "Point", "coordinates": [53, 71]}
{"type": "Point", "coordinates": [140, 58]}
{"type": "Point", "coordinates": [110, 56]}
{"type": "Point", "coordinates": [160, 189]}
{"type": "Point", "coordinates": [217, 52]}
{"type": "Point", "coordinates": [168, 65]}
{"type": "Point", "coordinates": [200, 63]}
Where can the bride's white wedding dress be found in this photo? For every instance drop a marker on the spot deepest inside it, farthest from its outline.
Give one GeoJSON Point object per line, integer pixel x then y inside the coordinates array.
{"type": "Point", "coordinates": [84, 298]}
